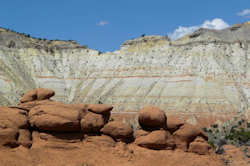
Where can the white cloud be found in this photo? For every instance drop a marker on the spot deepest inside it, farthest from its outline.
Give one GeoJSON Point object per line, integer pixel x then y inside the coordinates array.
{"type": "Point", "coordinates": [216, 23]}
{"type": "Point", "coordinates": [245, 12]}
{"type": "Point", "coordinates": [181, 31]}
{"type": "Point", "coordinates": [102, 23]}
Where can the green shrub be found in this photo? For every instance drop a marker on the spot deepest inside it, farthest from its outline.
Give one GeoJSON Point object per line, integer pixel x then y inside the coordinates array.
{"type": "Point", "coordinates": [211, 143]}
{"type": "Point", "coordinates": [235, 131]}
{"type": "Point", "coordinates": [239, 135]}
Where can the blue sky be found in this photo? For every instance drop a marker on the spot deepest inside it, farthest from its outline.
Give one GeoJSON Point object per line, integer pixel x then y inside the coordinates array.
{"type": "Point", "coordinates": [105, 24]}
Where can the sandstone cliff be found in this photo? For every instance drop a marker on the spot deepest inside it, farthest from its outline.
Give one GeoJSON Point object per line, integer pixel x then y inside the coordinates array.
{"type": "Point", "coordinates": [207, 72]}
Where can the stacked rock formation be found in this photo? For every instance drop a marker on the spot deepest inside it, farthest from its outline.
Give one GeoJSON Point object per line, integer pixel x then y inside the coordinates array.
{"type": "Point", "coordinates": [36, 112]}
{"type": "Point", "coordinates": [157, 132]}
{"type": "Point", "coordinates": [37, 116]}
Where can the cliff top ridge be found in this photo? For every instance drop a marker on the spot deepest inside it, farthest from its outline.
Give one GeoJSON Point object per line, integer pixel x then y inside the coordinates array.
{"type": "Point", "coordinates": [235, 33]}
{"type": "Point", "coordinates": [12, 39]}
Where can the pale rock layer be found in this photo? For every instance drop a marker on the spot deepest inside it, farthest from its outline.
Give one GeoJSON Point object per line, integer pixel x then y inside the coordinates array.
{"type": "Point", "coordinates": [209, 77]}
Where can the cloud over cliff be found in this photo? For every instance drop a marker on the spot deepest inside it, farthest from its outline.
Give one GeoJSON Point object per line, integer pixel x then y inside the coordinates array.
{"type": "Point", "coordinates": [216, 23]}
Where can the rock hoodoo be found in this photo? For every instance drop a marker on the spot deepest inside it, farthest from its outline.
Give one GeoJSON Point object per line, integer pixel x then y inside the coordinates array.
{"type": "Point", "coordinates": [39, 118]}
{"type": "Point", "coordinates": [160, 132]}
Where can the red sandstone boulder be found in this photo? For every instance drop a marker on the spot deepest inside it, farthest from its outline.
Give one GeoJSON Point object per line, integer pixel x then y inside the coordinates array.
{"type": "Point", "coordinates": [158, 139]}
{"type": "Point", "coordinates": [92, 123]}
{"type": "Point", "coordinates": [8, 135]}
{"type": "Point", "coordinates": [186, 134]}
{"type": "Point", "coordinates": [27, 106]}
{"type": "Point", "coordinates": [29, 96]}
{"type": "Point", "coordinates": [43, 94]}
{"type": "Point", "coordinates": [151, 118]}
{"type": "Point", "coordinates": [118, 131]}
{"type": "Point", "coordinates": [141, 132]}
{"type": "Point", "coordinates": [37, 94]}
{"type": "Point", "coordinates": [11, 119]}
{"type": "Point", "coordinates": [55, 118]}
{"type": "Point", "coordinates": [199, 146]}
{"type": "Point", "coordinates": [174, 124]}
{"type": "Point", "coordinates": [24, 138]}
{"type": "Point", "coordinates": [99, 108]}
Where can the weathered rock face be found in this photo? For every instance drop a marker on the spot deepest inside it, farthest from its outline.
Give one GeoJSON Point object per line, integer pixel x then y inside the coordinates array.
{"type": "Point", "coordinates": [206, 72]}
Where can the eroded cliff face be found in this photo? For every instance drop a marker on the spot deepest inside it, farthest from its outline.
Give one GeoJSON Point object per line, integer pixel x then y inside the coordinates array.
{"type": "Point", "coordinates": [201, 73]}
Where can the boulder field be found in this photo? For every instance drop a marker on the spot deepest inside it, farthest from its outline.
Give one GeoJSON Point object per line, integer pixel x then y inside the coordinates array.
{"type": "Point", "coordinates": [38, 115]}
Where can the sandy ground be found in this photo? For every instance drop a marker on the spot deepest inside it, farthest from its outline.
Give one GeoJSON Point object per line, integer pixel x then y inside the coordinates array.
{"type": "Point", "coordinates": [95, 154]}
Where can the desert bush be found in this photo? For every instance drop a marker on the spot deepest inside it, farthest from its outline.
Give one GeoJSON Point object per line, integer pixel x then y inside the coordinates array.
{"type": "Point", "coordinates": [235, 131]}
{"type": "Point", "coordinates": [241, 135]}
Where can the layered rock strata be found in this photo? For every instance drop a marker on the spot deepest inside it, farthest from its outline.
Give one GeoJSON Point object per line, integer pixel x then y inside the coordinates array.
{"type": "Point", "coordinates": [203, 74]}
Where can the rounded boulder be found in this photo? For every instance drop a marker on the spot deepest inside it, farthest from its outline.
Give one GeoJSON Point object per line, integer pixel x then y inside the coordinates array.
{"type": "Point", "coordinates": [119, 131]}
{"type": "Point", "coordinates": [152, 118]}
{"type": "Point", "coordinates": [158, 139]}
